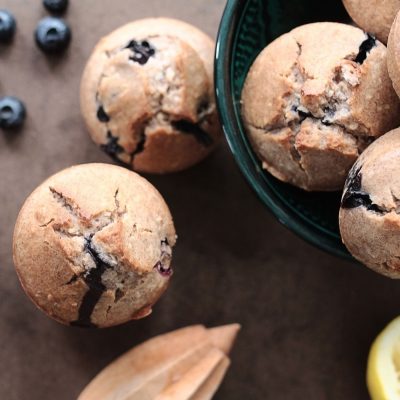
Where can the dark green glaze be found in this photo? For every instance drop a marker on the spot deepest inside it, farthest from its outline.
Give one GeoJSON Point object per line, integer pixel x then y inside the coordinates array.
{"type": "Point", "coordinates": [246, 28]}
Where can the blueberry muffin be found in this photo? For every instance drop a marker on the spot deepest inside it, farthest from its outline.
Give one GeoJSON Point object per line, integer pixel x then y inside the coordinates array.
{"type": "Point", "coordinates": [93, 246]}
{"type": "Point", "coordinates": [147, 95]}
{"type": "Point", "coordinates": [374, 16]}
{"type": "Point", "coordinates": [393, 57]}
{"type": "Point", "coordinates": [369, 215]}
{"type": "Point", "coordinates": [314, 99]}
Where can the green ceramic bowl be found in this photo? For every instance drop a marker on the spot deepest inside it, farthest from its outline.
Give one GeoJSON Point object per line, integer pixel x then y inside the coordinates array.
{"type": "Point", "coordinates": [247, 26]}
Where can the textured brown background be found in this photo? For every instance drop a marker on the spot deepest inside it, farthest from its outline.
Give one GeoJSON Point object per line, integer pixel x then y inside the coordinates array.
{"type": "Point", "coordinates": [308, 318]}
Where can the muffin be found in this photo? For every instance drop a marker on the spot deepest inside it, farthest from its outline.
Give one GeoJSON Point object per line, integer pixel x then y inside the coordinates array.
{"type": "Point", "coordinates": [374, 16]}
{"type": "Point", "coordinates": [369, 215]}
{"type": "Point", "coordinates": [314, 99]}
{"type": "Point", "coordinates": [147, 95]}
{"type": "Point", "coordinates": [93, 246]}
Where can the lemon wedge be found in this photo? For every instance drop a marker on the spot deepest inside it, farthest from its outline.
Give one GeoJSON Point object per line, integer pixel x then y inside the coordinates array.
{"type": "Point", "coordinates": [383, 373]}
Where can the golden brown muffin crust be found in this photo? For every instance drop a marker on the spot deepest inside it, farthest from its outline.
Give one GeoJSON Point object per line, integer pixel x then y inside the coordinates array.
{"type": "Point", "coordinates": [369, 217]}
{"type": "Point", "coordinates": [93, 244]}
{"type": "Point", "coordinates": [147, 95]}
{"type": "Point", "coordinates": [314, 99]}
{"type": "Point", "coordinates": [373, 16]}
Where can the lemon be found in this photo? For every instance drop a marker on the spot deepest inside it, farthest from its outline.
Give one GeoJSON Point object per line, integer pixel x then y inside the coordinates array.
{"type": "Point", "coordinates": [383, 373]}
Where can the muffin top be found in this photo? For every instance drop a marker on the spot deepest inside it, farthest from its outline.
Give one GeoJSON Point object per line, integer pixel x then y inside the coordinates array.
{"type": "Point", "coordinates": [147, 95]}
{"type": "Point", "coordinates": [314, 99]}
{"type": "Point", "coordinates": [93, 245]}
{"type": "Point", "coordinates": [369, 214]}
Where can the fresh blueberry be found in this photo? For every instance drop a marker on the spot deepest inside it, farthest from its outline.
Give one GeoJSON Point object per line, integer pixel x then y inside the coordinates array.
{"type": "Point", "coordinates": [7, 26]}
{"type": "Point", "coordinates": [55, 6]}
{"type": "Point", "coordinates": [52, 35]}
{"type": "Point", "coordinates": [12, 112]}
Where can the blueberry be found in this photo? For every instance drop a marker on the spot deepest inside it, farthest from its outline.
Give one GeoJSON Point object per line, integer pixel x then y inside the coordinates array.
{"type": "Point", "coordinates": [12, 112]}
{"type": "Point", "coordinates": [366, 46]}
{"type": "Point", "coordinates": [112, 147]}
{"type": "Point", "coordinates": [142, 51]}
{"type": "Point", "coordinates": [102, 115]}
{"type": "Point", "coordinates": [7, 26]}
{"type": "Point", "coordinates": [52, 35]}
{"type": "Point", "coordinates": [55, 6]}
{"type": "Point", "coordinates": [354, 195]}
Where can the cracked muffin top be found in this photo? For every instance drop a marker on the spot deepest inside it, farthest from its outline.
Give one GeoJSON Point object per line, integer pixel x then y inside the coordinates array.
{"type": "Point", "coordinates": [369, 216]}
{"type": "Point", "coordinates": [147, 95]}
{"type": "Point", "coordinates": [374, 16]}
{"type": "Point", "coordinates": [93, 246]}
{"type": "Point", "coordinates": [313, 101]}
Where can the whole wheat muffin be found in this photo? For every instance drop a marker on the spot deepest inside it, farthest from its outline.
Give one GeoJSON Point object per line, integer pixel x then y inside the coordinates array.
{"type": "Point", "coordinates": [93, 246]}
{"type": "Point", "coordinates": [147, 95]}
{"type": "Point", "coordinates": [374, 16]}
{"type": "Point", "coordinates": [369, 215]}
{"type": "Point", "coordinates": [314, 99]}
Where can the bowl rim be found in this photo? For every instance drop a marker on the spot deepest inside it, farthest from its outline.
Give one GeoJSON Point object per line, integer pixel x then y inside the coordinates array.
{"type": "Point", "coordinates": [228, 116]}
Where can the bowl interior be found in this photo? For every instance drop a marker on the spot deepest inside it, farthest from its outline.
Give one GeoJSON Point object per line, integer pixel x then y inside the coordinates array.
{"type": "Point", "coordinates": [246, 28]}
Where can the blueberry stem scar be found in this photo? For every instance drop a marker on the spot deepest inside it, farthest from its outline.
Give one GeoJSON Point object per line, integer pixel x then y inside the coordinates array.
{"type": "Point", "coordinates": [12, 113]}
{"type": "Point", "coordinates": [96, 288]}
{"type": "Point", "coordinates": [366, 46]}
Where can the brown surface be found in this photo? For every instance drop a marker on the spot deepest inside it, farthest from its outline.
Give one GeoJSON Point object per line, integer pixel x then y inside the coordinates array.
{"type": "Point", "coordinates": [308, 318]}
